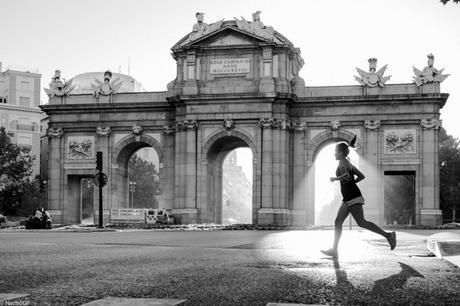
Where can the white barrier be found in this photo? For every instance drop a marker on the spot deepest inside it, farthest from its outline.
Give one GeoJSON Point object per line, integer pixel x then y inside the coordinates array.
{"type": "Point", "coordinates": [134, 215]}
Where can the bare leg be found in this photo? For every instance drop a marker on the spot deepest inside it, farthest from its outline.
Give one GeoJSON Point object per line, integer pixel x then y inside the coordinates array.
{"type": "Point", "coordinates": [358, 214]}
{"type": "Point", "coordinates": [341, 216]}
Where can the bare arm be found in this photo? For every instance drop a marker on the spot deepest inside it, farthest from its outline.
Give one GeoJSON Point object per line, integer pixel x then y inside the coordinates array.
{"type": "Point", "coordinates": [359, 174]}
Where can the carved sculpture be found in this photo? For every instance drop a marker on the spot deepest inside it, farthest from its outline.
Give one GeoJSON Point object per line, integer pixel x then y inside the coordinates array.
{"type": "Point", "coordinates": [201, 28]}
{"type": "Point", "coordinates": [372, 78]}
{"type": "Point", "coordinates": [429, 73]}
{"type": "Point", "coordinates": [57, 87]}
{"type": "Point", "coordinates": [399, 142]}
{"type": "Point", "coordinates": [137, 130]}
{"type": "Point", "coordinates": [335, 124]}
{"type": "Point", "coordinates": [80, 149]}
{"type": "Point", "coordinates": [228, 124]}
{"type": "Point", "coordinates": [107, 87]}
{"type": "Point", "coordinates": [255, 27]}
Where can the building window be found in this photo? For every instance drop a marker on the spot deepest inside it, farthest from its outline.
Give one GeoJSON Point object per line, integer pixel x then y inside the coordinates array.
{"type": "Point", "coordinates": [3, 100]}
{"type": "Point", "coordinates": [24, 101]}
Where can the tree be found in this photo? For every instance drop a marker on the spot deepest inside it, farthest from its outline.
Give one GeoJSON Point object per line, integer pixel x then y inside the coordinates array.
{"type": "Point", "coordinates": [449, 158]}
{"type": "Point", "coordinates": [15, 174]}
{"type": "Point", "coordinates": [145, 174]}
{"type": "Point", "coordinates": [445, 1]}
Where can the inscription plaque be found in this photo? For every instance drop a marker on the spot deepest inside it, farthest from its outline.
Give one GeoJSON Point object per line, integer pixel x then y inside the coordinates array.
{"type": "Point", "coordinates": [229, 66]}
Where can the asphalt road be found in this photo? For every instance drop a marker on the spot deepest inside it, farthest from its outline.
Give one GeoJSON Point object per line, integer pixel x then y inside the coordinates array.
{"type": "Point", "coordinates": [225, 268]}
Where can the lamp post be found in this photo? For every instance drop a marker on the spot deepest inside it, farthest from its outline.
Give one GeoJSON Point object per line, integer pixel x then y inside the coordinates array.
{"type": "Point", "coordinates": [132, 189]}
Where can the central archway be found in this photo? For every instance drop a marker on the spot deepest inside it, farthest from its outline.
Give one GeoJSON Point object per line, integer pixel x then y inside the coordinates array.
{"type": "Point", "coordinates": [219, 147]}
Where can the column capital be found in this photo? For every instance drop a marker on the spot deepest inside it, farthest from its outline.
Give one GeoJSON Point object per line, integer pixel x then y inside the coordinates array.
{"type": "Point", "coordinates": [168, 130]}
{"type": "Point", "coordinates": [54, 132]}
{"type": "Point", "coordinates": [371, 124]}
{"type": "Point", "coordinates": [266, 123]}
{"type": "Point", "coordinates": [429, 123]}
{"type": "Point", "coordinates": [103, 131]}
{"type": "Point", "coordinates": [298, 126]}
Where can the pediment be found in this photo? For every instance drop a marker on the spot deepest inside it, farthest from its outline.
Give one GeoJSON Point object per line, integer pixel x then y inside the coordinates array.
{"type": "Point", "coordinates": [228, 35]}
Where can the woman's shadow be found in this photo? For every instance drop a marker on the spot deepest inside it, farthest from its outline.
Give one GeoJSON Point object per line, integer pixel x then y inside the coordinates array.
{"type": "Point", "coordinates": [395, 281]}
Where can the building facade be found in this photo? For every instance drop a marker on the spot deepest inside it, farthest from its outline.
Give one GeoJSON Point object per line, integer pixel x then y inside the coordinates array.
{"type": "Point", "coordinates": [19, 109]}
{"type": "Point", "coordinates": [238, 85]}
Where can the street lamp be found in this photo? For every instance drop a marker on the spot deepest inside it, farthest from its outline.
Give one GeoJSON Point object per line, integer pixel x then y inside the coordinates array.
{"type": "Point", "coordinates": [132, 189]}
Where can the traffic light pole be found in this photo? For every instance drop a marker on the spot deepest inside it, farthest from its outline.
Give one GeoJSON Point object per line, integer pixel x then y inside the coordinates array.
{"type": "Point", "coordinates": [101, 183]}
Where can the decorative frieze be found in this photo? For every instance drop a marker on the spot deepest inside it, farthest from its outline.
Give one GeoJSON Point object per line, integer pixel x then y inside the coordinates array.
{"type": "Point", "coordinates": [371, 124]}
{"type": "Point", "coordinates": [80, 147]}
{"type": "Point", "coordinates": [429, 124]}
{"type": "Point", "coordinates": [103, 131]}
{"type": "Point", "coordinates": [400, 141]}
{"type": "Point", "coordinates": [54, 132]}
{"type": "Point", "coordinates": [335, 125]}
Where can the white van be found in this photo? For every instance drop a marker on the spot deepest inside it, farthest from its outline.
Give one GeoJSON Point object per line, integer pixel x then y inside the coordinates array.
{"type": "Point", "coordinates": [158, 216]}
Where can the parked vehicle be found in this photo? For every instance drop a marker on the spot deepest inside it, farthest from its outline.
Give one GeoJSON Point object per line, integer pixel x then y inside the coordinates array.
{"type": "Point", "coordinates": [40, 219]}
{"type": "Point", "coordinates": [159, 216]}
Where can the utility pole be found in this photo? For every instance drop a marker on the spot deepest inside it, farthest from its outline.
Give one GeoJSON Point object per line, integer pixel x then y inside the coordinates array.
{"type": "Point", "coordinates": [101, 185]}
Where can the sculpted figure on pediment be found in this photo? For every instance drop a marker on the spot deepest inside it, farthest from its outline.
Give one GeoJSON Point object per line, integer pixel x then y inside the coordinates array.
{"type": "Point", "coordinates": [57, 87]}
{"type": "Point", "coordinates": [107, 87]}
{"type": "Point", "coordinates": [255, 27]}
{"type": "Point", "coordinates": [372, 78]}
{"type": "Point", "coordinates": [429, 73]}
{"type": "Point", "coordinates": [200, 28]}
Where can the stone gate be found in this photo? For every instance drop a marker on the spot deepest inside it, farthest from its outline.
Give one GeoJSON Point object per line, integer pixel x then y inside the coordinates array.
{"type": "Point", "coordinates": [238, 85]}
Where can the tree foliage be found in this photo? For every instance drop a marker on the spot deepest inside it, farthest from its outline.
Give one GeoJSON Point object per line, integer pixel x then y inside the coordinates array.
{"type": "Point", "coordinates": [145, 174]}
{"type": "Point", "coordinates": [449, 158]}
{"type": "Point", "coordinates": [445, 1]}
{"type": "Point", "coordinates": [19, 193]}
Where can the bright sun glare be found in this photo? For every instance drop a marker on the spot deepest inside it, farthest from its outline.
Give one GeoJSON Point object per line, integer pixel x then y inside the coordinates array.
{"type": "Point", "coordinates": [327, 194]}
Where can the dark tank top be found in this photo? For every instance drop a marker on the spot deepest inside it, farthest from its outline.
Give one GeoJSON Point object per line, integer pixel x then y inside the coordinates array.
{"type": "Point", "coordinates": [348, 188]}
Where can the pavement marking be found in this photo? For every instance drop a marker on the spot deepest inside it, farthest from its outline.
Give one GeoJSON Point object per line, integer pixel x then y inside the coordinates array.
{"type": "Point", "coordinates": [445, 245]}
{"type": "Point", "coordinates": [8, 297]}
{"type": "Point", "coordinates": [134, 302]}
{"type": "Point", "coordinates": [289, 304]}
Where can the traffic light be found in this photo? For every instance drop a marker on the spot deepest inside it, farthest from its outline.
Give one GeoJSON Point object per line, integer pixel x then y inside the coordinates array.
{"type": "Point", "coordinates": [99, 161]}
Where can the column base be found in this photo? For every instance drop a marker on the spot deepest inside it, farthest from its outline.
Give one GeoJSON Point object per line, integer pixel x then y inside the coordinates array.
{"type": "Point", "coordinates": [277, 216]}
{"type": "Point", "coordinates": [185, 215]}
{"type": "Point", "coordinates": [430, 217]}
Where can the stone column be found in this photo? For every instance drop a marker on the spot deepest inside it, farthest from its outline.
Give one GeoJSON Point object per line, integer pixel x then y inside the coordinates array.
{"type": "Point", "coordinates": [191, 164]}
{"type": "Point", "coordinates": [166, 197]}
{"type": "Point", "coordinates": [55, 185]}
{"type": "Point", "coordinates": [299, 175]}
{"type": "Point", "coordinates": [266, 169]}
{"type": "Point", "coordinates": [267, 82]}
{"type": "Point", "coordinates": [370, 168]}
{"type": "Point", "coordinates": [430, 213]}
{"type": "Point", "coordinates": [179, 185]}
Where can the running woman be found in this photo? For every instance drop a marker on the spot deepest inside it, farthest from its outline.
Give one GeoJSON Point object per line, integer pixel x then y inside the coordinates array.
{"type": "Point", "coordinates": [353, 200]}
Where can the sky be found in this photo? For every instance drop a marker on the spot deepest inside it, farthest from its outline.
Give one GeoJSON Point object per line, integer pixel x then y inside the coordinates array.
{"type": "Point", "coordinates": [334, 36]}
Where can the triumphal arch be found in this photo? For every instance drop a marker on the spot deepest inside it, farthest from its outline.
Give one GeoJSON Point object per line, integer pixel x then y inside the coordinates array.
{"type": "Point", "coordinates": [238, 85]}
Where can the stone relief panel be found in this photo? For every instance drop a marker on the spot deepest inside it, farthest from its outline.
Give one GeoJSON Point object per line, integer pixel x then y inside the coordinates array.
{"type": "Point", "coordinates": [401, 141]}
{"type": "Point", "coordinates": [80, 147]}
